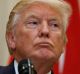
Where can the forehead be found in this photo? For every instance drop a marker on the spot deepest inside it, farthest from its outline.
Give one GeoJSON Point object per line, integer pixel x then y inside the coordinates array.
{"type": "Point", "coordinates": [40, 8]}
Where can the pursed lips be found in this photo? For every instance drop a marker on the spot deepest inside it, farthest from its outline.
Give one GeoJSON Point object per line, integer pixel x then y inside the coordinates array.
{"type": "Point", "coordinates": [44, 45]}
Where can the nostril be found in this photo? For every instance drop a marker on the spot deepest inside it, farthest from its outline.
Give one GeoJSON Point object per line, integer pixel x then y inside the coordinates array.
{"type": "Point", "coordinates": [45, 35]}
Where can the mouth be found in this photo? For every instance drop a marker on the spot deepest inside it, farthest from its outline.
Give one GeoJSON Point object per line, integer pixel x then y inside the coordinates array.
{"type": "Point", "coordinates": [46, 45]}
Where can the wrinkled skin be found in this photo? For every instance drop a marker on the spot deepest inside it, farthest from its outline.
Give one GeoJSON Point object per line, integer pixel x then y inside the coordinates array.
{"type": "Point", "coordinates": [38, 35]}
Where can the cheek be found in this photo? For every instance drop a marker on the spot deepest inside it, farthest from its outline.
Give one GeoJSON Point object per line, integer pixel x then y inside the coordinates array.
{"type": "Point", "coordinates": [24, 41]}
{"type": "Point", "coordinates": [58, 43]}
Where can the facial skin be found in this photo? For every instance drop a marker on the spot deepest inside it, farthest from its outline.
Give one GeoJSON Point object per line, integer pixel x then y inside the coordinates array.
{"type": "Point", "coordinates": [38, 34]}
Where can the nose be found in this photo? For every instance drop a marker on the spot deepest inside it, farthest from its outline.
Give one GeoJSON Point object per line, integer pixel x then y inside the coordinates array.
{"type": "Point", "coordinates": [44, 30]}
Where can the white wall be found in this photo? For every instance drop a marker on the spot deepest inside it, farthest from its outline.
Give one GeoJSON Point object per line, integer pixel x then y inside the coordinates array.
{"type": "Point", "coordinates": [5, 8]}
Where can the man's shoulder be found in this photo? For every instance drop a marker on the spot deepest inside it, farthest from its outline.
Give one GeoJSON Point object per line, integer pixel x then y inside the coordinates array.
{"type": "Point", "coordinates": [7, 69]}
{"type": "Point", "coordinates": [2, 69]}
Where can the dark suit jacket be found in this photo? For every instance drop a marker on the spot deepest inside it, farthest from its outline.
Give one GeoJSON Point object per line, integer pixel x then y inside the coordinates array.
{"type": "Point", "coordinates": [9, 69]}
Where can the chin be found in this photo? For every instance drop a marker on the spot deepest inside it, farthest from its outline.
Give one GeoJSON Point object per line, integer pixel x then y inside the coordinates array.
{"type": "Point", "coordinates": [45, 56]}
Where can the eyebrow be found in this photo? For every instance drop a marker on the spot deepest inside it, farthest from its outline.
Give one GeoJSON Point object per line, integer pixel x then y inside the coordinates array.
{"type": "Point", "coordinates": [54, 19]}
{"type": "Point", "coordinates": [32, 16]}
{"type": "Point", "coordinates": [37, 17]}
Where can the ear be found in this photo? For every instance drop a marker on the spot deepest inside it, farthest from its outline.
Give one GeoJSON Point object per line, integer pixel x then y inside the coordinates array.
{"type": "Point", "coordinates": [65, 42]}
{"type": "Point", "coordinates": [10, 38]}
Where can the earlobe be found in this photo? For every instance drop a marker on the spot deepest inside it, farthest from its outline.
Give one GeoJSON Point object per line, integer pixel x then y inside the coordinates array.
{"type": "Point", "coordinates": [65, 42]}
{"type": "Point", "coordinates": [10, 40]}
{"type": "Point", "coordinates": [63, 49]}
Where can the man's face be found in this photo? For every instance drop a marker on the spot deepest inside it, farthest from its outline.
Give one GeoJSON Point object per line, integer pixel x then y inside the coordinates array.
{"type": "Point", "coordinates": [39, 33]}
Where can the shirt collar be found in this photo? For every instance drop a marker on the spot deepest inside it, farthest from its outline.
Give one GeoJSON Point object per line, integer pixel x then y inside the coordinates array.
{"type": "Point", "coordinates": [16, 67]}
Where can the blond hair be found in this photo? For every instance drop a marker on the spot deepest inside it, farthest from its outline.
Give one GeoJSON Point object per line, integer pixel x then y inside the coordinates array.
{"type": "Point", "coordinates": [63, 7]}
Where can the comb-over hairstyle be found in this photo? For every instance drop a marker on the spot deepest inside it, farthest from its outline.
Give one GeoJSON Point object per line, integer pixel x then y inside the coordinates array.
{"type": "Point", "coordinates": [62, 6]}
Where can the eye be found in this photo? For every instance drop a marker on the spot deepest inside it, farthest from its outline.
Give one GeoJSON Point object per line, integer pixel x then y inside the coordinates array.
{"type": "Point", "coordinates": [53, 25]}
{"type": "Point", "coordinates": [32, 23]}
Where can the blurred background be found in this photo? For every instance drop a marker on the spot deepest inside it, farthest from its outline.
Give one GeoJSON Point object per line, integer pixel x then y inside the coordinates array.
{"type": "Point", "coordinates": [5, 8]}
{"type": "Point", "coordinates": [69, 62]}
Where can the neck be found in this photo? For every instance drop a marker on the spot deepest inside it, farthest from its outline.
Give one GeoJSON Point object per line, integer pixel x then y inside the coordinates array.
{"type": "Point", "coordinates": [43, 67]}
